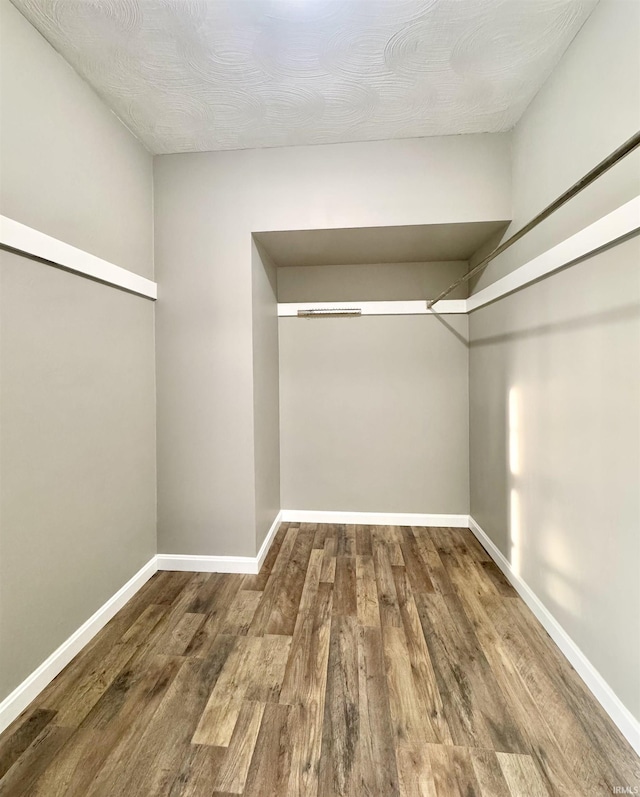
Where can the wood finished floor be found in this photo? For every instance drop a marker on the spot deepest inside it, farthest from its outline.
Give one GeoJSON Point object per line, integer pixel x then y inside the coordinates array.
{"type": "Point", "coordinates": [362, 660]}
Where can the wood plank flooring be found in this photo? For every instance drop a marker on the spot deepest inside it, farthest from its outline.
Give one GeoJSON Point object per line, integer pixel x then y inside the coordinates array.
{"type": "Point", "coordinates": [363, 660]}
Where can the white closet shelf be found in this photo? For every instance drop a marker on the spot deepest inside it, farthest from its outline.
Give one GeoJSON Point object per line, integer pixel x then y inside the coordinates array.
{"type": "Point", "coordinates": [418, 307]}
{"type": "Point", "coordinates": [24, 240]}
{"type": "Point", "coordinates": [613, 228]}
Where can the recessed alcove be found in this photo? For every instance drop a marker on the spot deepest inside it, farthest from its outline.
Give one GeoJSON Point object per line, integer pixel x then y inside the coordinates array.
{"type": "Point", "coordinates": [365, 405]}
{"type": "Point", "coordinates": [374, 263]}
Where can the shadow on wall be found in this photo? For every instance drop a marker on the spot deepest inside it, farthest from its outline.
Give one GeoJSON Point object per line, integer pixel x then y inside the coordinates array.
{"type": "Point", "coordinates": [624, 313]}
{"type": "Point", "coordinates": [451, 329]}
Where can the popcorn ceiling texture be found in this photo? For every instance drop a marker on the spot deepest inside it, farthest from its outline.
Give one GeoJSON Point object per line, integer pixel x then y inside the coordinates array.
{"type": "Point", "coordinates": [195, 75]}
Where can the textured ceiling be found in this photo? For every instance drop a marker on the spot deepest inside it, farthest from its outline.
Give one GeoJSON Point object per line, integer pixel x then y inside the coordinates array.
{"type": "Point", "coordinates": [192, 75]}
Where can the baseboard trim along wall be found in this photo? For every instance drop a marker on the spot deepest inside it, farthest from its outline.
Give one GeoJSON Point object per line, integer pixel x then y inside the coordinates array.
{"type": "Point", "coordinates": [28, 690]}
{"type": "Point", "coordinates": [375, 518]}
{"type": "Point", "coordinates": [16, 702]}
{"type": "Point", "coordinates": [264, 548]}
{"type": "Point", "coordinates": [249, 565]}
{"type": "Point", "coordinates": [26, 241]}
{"type": "Point", "coordinates": [619, 713]}
{"type": "Point", "coordinates": [252, 564]}
{"type": "Point", "coordinates": [193, 563]}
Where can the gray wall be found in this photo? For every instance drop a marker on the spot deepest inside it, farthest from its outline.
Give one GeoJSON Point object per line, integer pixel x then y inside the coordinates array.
{"type": "Point", "coordinates": [77, 422]}
{"type": "Point", "coordinates": [374, 414]}
{"type": "Point", "coordinates": [266, 401]}
{"type": "Point", "coordinates": [588, 107]}
{"type": "Point", "coordinates": [375, 282]}
{"type": "Point", "coordinates": [554, 481]}
{"type": "Point", "coordinates": [207, 206]}
{"type": "Point", "coordinates": [67, 166]}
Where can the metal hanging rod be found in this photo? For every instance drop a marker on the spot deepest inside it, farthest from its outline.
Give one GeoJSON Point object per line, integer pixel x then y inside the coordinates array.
{"type": "Point", "coordinates": [604, 165]}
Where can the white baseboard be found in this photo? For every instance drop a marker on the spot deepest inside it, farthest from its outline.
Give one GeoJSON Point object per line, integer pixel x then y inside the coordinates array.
{"type": "Point", "coordinates": [193, 563]}
{"type": "Point", "coordinates": [375, 518]}
{"type": "Point", "coordinates": [619, 713]}
{"type": "Point", "coordinates": [16, 702]}
{"type": "Point", "coordinates": [264, 548]}
{"type": "Point", "coordinates": [28, 690]}
{"type": "Point", "coordinates": [249, 565]}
